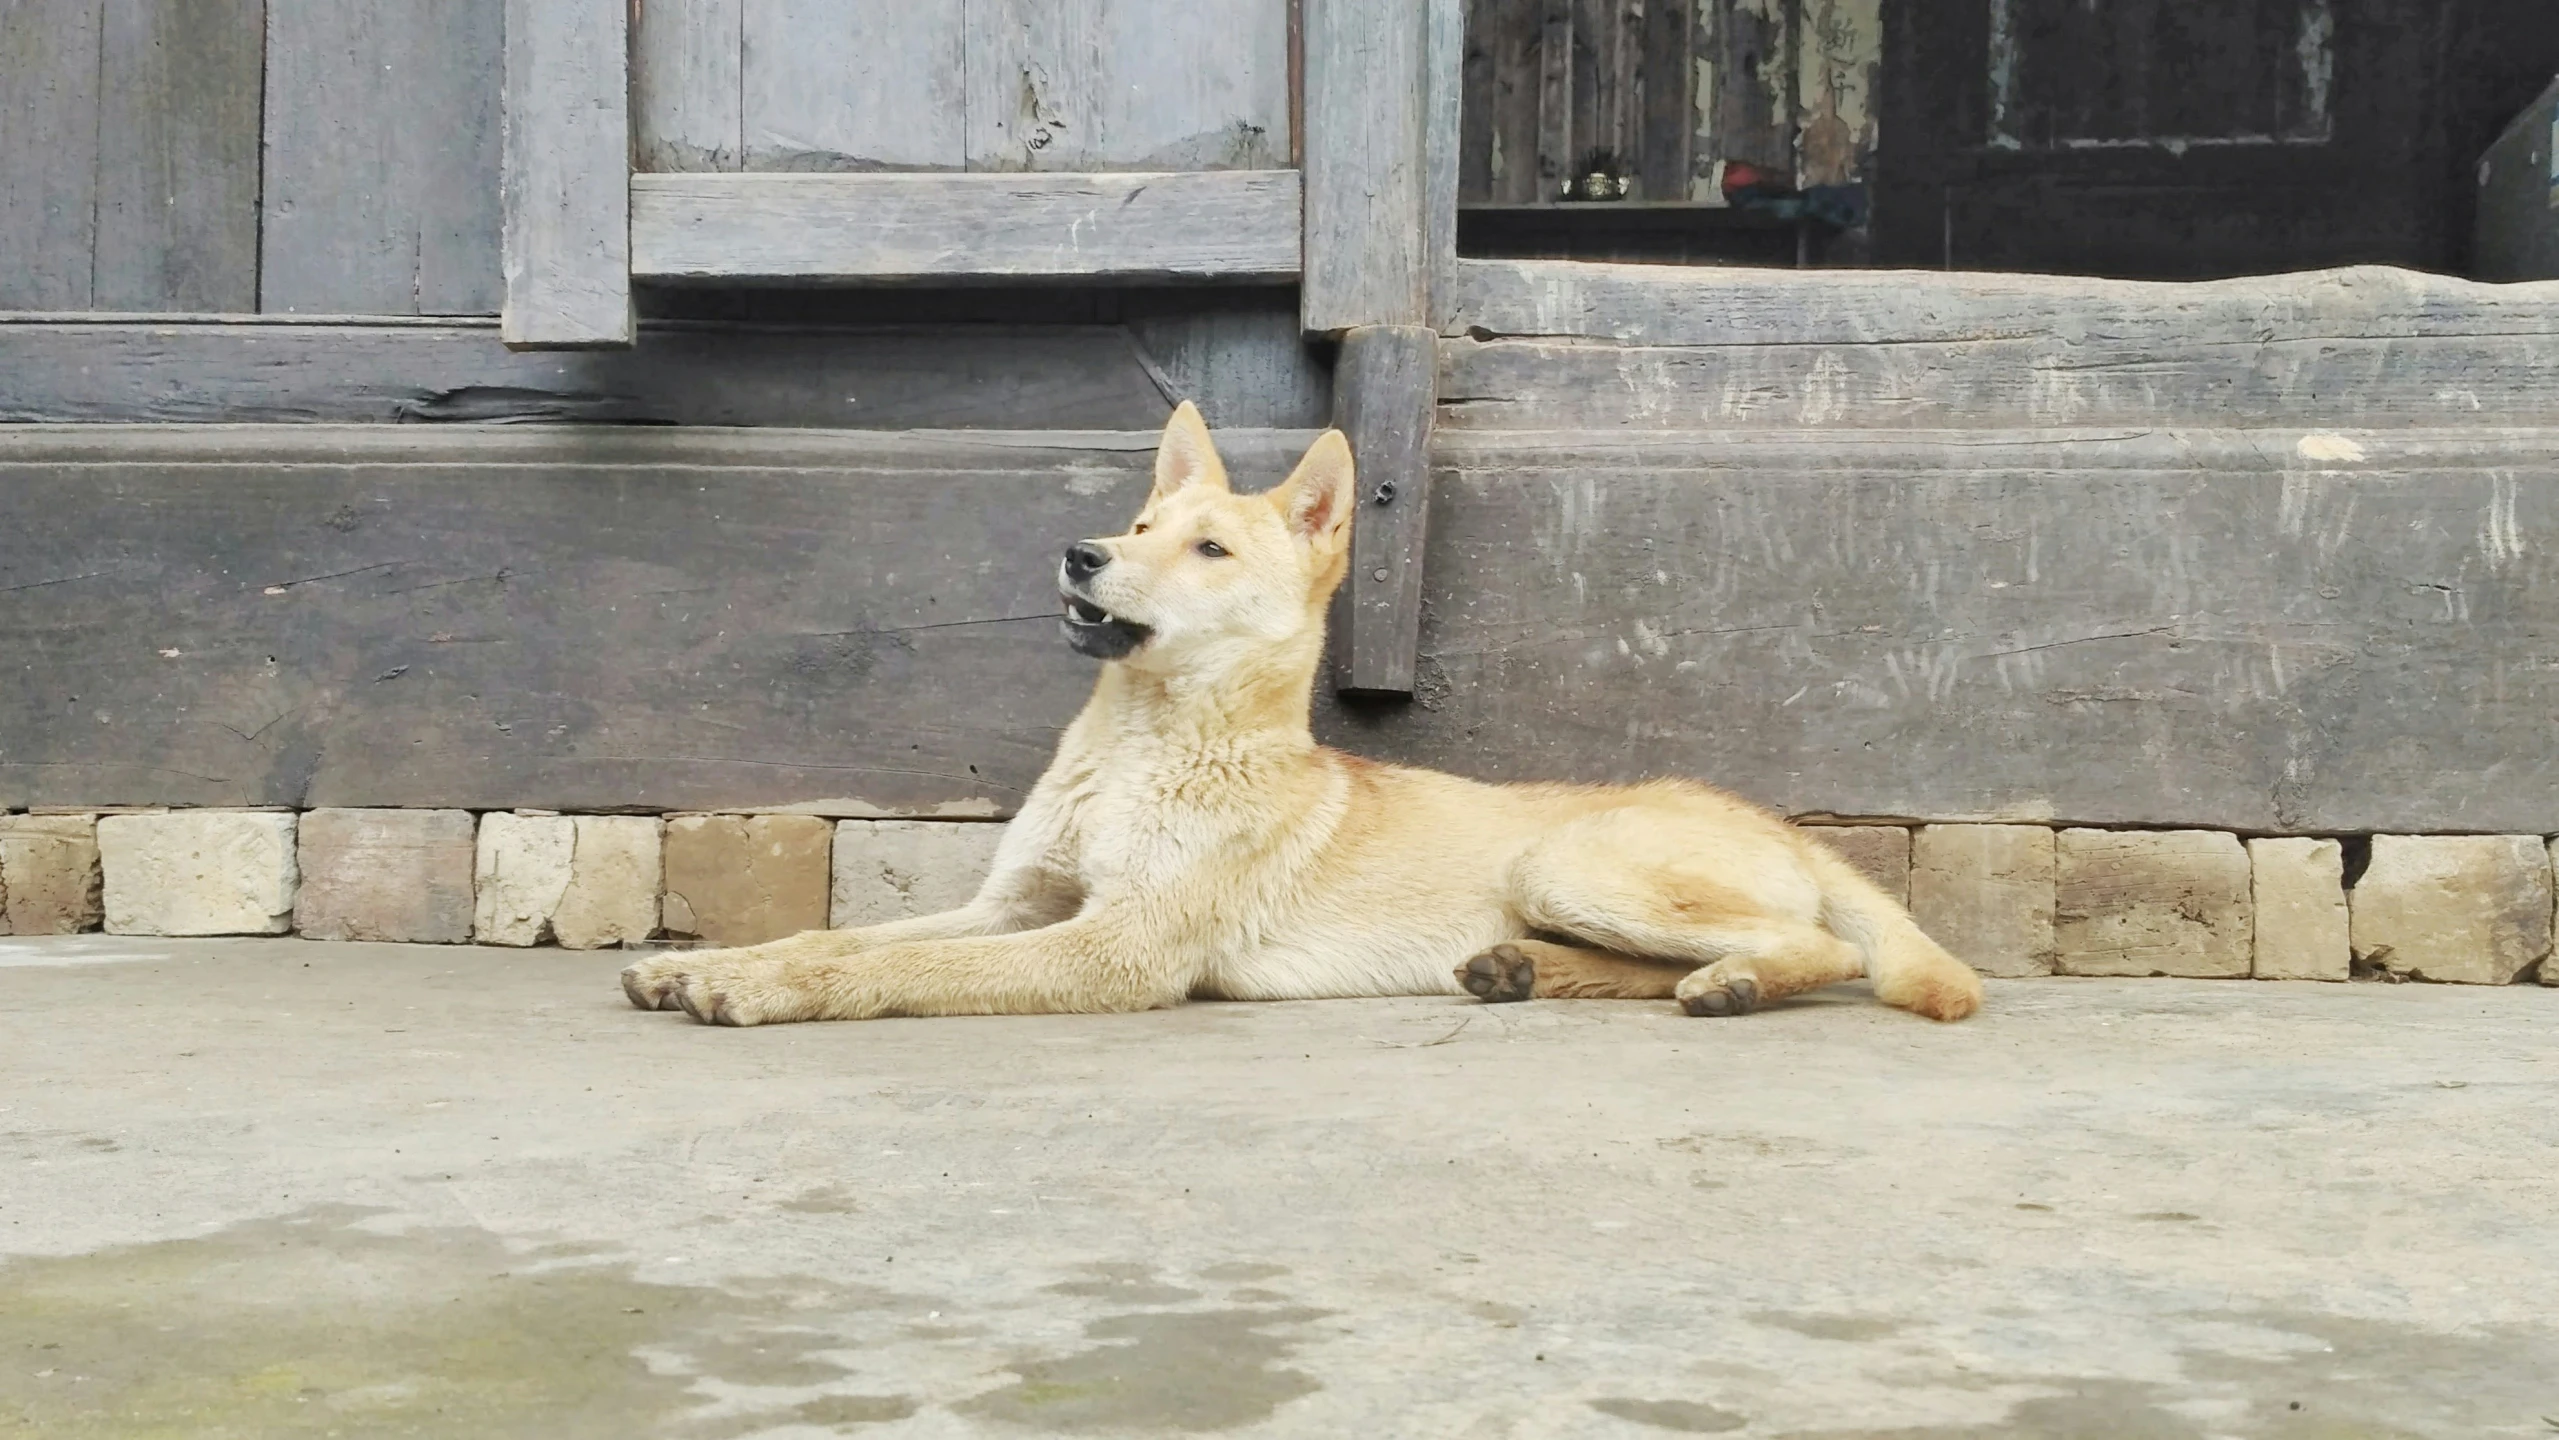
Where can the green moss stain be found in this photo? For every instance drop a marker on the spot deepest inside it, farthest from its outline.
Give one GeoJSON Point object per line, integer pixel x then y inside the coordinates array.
{"type": "Point", "coordinates": [1182, 1370]}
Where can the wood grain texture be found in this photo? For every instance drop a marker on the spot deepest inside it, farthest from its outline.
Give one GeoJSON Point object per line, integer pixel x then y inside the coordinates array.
{"type": "Point", "coordinates": [48, 152]}
{"type": "Point", "coordinates": [181, 87]}
{"type": "Point", "coordinates": [568, 166]}
{"type": "Point", "coordinates": [1095, 85]}
{"type": "Point", "coordinates": [1655, 305]}
{"type": "Point", "coordinates": [2171, 628]}
{"type": "Point", "coordinates": [2432, 380]}
{"type": "Point", "coordinates": [1235, 223]}
{"type": "Point", "coordinates": [2177, 628]}
{"type": "Point", "coordinates": [1367, 259]}
{"type": "Point", "coordinates": [852, 85]}
{"type": "Point", "coordinates": [382, 171]}
{"type": "Point", "coordinates": [582, 620]}
{"type": "Point", "coordinates": [688, 102]}
{"type": "Point", "coordinates": [1443, 145]}
{"type": "Point", "coordinates": [1237, 354]}
{"type": "Point", "coordinates": [1383, 385]}
{"type": "Point", "coordinates": [870, 377]}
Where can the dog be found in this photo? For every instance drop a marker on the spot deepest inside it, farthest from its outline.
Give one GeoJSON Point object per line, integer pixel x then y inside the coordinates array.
{"type": "Point", "coordinates": [1190, 838]}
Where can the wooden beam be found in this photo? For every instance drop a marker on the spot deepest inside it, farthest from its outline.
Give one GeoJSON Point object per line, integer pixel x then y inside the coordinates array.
{"type": "Point", "coordinates": [567, 251]}
{"type": "Point", "coordinates": [1366, 96]}
{"type": "Point", "coordinates": [1442, 125]}
{"type": "Point", "coordinates": [1226, 224]}
{"type": "Point", "coordinates": [1384, 386]}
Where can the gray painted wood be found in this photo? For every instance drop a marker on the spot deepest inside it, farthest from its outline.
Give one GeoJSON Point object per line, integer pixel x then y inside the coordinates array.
{"type": "Point", "coordinates": [851, 85]}
{"type": "Point", "coordinates": [178, 129]}
{"type": "Point", "coordinates": [2429, 380]}
{"type": "Point", "coordinates": [48, 152]}
{"type": "Point", "coordinates": [1099, 85]}
{"type": "Point", "coordinates": [1366, 254]}
{"type": "Point", "coordinates": [1233, 223]}
{"type": "Point", "coordinates": [1382, 387]}
{"type": "Point", "coordinates": [880, 377]}
{"type": "Point", "coordinates": [2171, 628]}
{"type": "Point", "coordinates": [583, 619]}
{"type": "Point", "coordinates": [567, 246]}
{"type": "Point", "coordinates": [1663, 305]}
{"type": "Point", "coordinates": [381, 188]}
{"type": "Point", "coordinates": [688, 102]}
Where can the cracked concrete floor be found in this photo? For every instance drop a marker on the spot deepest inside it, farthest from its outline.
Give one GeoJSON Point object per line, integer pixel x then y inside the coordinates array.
{"type": "Point", "coordinates": [277, 1188]}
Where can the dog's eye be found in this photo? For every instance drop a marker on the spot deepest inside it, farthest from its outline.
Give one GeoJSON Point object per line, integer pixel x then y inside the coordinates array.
{"type": "Point", "coordinates": [1140, 528]}
{"type": "Point", "coordinates": [1211, 549]}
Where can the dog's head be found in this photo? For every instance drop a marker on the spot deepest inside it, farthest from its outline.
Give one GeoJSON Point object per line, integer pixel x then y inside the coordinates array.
{"type": "Point", "coordinates": [1204, 572]}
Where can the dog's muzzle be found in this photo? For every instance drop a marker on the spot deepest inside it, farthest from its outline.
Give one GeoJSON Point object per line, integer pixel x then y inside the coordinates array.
{"type": "Point", "coordinates": [1094, 631]}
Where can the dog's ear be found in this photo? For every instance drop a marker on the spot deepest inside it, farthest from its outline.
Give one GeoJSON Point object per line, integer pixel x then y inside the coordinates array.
{"type": "Point", "coordinates": [1316, 497]}
{"type": "Point", "coordinates": [1187, 456]}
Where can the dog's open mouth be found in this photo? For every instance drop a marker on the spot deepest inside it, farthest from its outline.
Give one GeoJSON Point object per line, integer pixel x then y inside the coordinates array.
{"type": "Point", "coordinates": [1094, 631]}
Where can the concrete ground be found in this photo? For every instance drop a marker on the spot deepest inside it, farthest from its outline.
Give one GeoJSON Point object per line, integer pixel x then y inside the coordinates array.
{"type": "Point", "coordinates": [279, 1188]}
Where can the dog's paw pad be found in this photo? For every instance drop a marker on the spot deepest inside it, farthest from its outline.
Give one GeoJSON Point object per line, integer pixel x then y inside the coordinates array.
{"type": "Point", "coordinates": [1738, 995]}
{"type": "Point", "coordinates": [1499, 975]}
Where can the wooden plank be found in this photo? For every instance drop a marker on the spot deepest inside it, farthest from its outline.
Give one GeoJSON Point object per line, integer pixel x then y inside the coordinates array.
{"type": "Point", "coordinates": [687, 100]}
{"type": "Point", "coordinates": [872, 377]}
{"type": "Point", "coordinates": [853, 85]}
{"type": "Point", "coordinates": [1383, 386]}
{"type": "Point", "coordinates": [2432, 380]}
{"type": "Point", "coordinates": [1098, 85]}
{"type": "Point", "coordinates": [1754, 68]}
{"type": "Point", "coordinates": [1667, 108]}
{"type": "Point", "coordinates": [1366, 260]}
{"type": "Point", "coordinates": [1508, 31]}
{"type": "Point", "coordinates": [1216, 224]}
{"type": "Point", "coordinates": [178, 128]}
{"type": "Point", "coordinates": [1654, 305]}
{"type": "Point", "coordinates": [381, 171]}
{"type": "Point", "coordinates": [1445, 65]}
{"type": "Point", "coordinates": [568, 174]}
{"type": "Point", "coordinates": [2193, 629]}
{"type": "Point", "coordinates": [1555, 100]}
{"type": "Point", "coordinates": [582, 619]}
{"type": "Point", "coordinates": [48, 152]}
{"type": "Point", "coordinates": [1236, 353]}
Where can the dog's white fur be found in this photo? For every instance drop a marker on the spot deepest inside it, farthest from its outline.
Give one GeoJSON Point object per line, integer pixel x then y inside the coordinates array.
{"type": "Point", "coordinates": [1191, 839]}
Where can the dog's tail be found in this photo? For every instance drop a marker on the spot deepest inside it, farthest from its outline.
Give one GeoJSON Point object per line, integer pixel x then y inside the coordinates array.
{"type": "Point", "coordinates": [1908, 969]}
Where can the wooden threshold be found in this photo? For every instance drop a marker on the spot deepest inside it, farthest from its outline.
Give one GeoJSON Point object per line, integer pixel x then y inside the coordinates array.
{"type": "Point", "coordinates": [1198, 225]}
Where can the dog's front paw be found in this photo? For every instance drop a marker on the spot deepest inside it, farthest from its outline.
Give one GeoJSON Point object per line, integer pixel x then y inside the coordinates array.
{"type": "Point", "coordinates": [1501, 975]}
{"type": "Point", "coordinates": [1722, 988]}
{"type": "Point", "coordinates": [716, 987]}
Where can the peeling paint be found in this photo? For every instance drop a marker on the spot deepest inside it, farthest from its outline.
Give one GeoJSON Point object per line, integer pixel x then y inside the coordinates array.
{"type": "Point", "coordinates": [1839, 56]}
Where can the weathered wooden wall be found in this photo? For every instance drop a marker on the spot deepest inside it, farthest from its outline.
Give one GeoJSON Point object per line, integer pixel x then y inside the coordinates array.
{"type": "Point", "coordinates": [1000, 85]}
{"type": "Point", "coordinates": [129, 166]}
{"type": "Point", "coordinates": [2313, 632]}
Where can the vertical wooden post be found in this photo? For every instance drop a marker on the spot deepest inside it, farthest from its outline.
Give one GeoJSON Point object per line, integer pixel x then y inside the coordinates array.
{"type": "Point", "coordinates": [1385, 388]}
{"type": "Point", "coordinates": [1378, 176]}
{"type": "Point", "coordinates": [568, 174]}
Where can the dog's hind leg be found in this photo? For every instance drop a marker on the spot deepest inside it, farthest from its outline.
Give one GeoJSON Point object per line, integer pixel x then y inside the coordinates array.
{"type": "Point", "coordinates": [1549, 970]}
{"type": "Point", "coordinates": [1740, 920]}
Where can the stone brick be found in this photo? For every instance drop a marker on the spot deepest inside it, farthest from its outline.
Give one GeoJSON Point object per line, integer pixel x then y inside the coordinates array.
{"type": "Point", "coordinates": [890, 869]}
{"type": "Point", "coordinates": [519, 872]}
{"type": "Point", "coordinates": [614, 882]}
{"type": "Point", "coordinates": [2471, 909]}
{"type": "Point", "coordinates": [49, 875]}
{"type": "Point", "coordinates": [745, 879]}
{"type": "Point", "coordinates": [386, 875]}
{"type": "Point", "coordinates": [198, 872]}
{"type": "Point", "coordinates": [2298, 887]}
{"type": "Point", "coordinates": [584, 881]}
{"type": "Point", "coordinates": [2151, 902]}
{"type": "Point", "coordinates": [1880, 852]}
{"type": "Point", "coordinates": [1985, 892]}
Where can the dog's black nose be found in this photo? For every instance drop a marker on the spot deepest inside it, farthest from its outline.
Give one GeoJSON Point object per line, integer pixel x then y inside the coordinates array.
{"type": "Point", "coordinates": [1084, 560]}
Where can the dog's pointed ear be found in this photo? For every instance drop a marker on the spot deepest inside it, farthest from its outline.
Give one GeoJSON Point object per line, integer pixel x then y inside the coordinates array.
{"type": "Point", "coordinates": [1187, 456]}
{"type": "Point", "coordinates": [1315, 500]}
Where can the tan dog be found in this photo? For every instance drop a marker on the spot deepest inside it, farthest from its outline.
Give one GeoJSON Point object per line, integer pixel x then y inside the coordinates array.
{"type": "Point", "coordinates": [1192, 839]}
